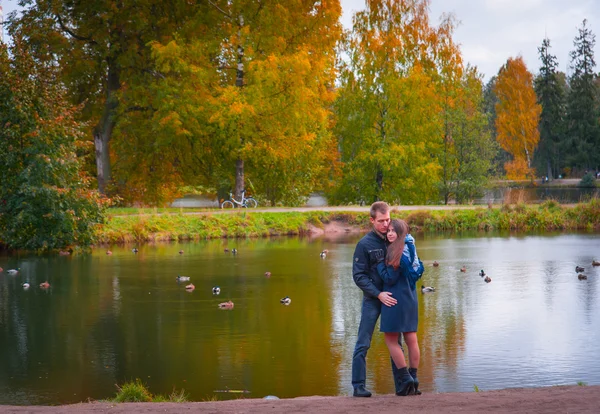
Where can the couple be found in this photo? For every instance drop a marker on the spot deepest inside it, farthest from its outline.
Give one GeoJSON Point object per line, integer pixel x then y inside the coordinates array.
{"type": "Point", "coordinates": [386, 268]}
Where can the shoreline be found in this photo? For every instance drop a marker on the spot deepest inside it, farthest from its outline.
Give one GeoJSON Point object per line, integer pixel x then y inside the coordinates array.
{"type": "Point", "coordinates": [555, 399]}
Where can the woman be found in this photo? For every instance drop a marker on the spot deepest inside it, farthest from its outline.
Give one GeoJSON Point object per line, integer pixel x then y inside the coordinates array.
{"type": "Point", "coordinates": [399, 273]}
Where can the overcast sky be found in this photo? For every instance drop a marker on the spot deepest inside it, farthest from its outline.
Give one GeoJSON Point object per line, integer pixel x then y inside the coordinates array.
{"type": "Point", "coordinates": [491, 31]}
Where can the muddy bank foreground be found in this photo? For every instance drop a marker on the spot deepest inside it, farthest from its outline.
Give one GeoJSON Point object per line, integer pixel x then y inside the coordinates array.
{"type": "Point", "coordinates": [563, 399]}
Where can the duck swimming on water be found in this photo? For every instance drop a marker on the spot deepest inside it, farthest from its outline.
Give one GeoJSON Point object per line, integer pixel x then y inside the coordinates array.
{"type": "Point", "coordinates": [226, 305]}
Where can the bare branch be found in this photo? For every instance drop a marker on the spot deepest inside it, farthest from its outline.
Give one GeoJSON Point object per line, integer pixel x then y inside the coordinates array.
{"type": "Point", "coordinates": [219, 9]}
{"type": "Point", "coordinates": [73, 34]}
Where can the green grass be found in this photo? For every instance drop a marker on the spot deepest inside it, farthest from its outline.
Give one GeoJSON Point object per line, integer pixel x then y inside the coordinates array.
{"type": "Point", "coordinates": [476, 388]}
{"type": "Point", "coordinates": [548, 216]}
{"type": "Point", "coordinates": [581, 383]}
{"type": "Point", "coordinates": [136, 391]}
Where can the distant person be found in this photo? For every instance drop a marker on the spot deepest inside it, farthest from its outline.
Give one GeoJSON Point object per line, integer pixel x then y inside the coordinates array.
{"type": "Point", "coordinates": [400, 271]}
{"type": "Point", "coordinates": [366, 277]}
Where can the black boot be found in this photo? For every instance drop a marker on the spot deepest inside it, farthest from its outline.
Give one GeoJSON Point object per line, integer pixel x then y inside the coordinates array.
{"type": "Point", "coordinates": [406, 384]}
{"type": "Point", "coordinates": [413, 373]}
{"type": "Point", "coordinates": [361, 391]}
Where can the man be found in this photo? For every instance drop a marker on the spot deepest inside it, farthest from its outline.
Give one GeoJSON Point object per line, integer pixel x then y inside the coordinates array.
{"type": "Point", "coordinates": [366, 277]}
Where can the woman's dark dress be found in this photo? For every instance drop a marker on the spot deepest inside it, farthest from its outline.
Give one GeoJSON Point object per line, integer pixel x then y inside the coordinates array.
{"type": "Point", "coordinates": [404, 316]}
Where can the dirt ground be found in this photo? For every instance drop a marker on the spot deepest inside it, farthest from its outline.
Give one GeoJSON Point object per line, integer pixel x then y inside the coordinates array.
{"type": "Point", "coordinates": [563, 399]}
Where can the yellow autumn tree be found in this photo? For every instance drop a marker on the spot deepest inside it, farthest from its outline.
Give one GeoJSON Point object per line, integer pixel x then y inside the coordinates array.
{"type": "Point", "coordinates": [518, 116]}
{"type": "Point", "coordinates": [242, 96]}
{"type": "Point", "coordinates": [390, 106]}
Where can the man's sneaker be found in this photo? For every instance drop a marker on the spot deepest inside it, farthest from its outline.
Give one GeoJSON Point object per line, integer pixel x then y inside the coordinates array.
{"type": "Point", "coordinates": [361, 391]}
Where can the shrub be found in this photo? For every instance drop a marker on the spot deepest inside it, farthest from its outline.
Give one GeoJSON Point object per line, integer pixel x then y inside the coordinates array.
{"type": "Point", "coordinates": [46, 201]}
{"type": "Point", "coordinates": [588, 181]}
{"type": "Point", "coordinates": [133, 392]}
{"type": "Point", "coordinates": [418, 218]}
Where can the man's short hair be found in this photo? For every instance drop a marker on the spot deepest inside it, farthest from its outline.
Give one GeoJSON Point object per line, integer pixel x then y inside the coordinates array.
{"type": "Point", "coordinates": [380, 207]}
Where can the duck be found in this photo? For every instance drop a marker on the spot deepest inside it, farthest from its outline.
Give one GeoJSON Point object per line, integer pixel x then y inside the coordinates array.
{"type": "Point", "coordinates": [45, 285]}
{"type": "Point", "coordinates": [581, 276]}
{"type": "Point", "coordinates": [226, 250]}
{"type": "Point", "coordinates": [180, 251]}
{"type": "Point", "coordinates": [579, 269]}
{"type": "Point", "coordinates": [286, 301]}
{"type": "Point", "coordinates": [135, 250]}
{"type": "Point", "coordinates": [487, 279]}
{"type": "Point", "coordinates": [190, 287]}
{"type": "Point", "coordinates": [482, 273]}
{"type": "Point", "coordinates": [594, 263]}
{"type": "Point", "coordinates": [463, 269]}
{"type": "Point", "coordinates": [216, 290]}
{"type": "Point", "coordinates": [13, 271]}
{"type": "Point", "coordinates": [267, 274]}
{"type": "Point", "coordinates": [64, 253]}
{"type": "Point", "coordinates": [1, 269]}
{"type": "Point", "coordinates": [26, 285]}
{"type": "Point", "coordinates": [226, 305]}
{"type": "Point", "coordinates": [234, 251]}
{"type": "Point", "coordinates": [435, 264]}
{"type": "Point", "coordinates": [427, 289]}
{"type": "Point", "coordinates": [323, 254]}
{"type": "Point", "coordinates": [108, 252]}
{"type": "Point", "coordinates": [183, 278]}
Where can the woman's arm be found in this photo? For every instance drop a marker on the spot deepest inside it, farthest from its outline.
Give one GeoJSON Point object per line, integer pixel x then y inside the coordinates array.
{"type": "Point", "coordinates": [388, 274]}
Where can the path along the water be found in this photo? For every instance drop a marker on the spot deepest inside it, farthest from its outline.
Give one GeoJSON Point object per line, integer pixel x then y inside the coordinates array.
{"type": "Point", "coordinates": [563, 399]}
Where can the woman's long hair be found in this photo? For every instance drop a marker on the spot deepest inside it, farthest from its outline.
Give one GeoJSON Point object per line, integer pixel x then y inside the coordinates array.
{"type": "Point", "coordinates": [394, 250]}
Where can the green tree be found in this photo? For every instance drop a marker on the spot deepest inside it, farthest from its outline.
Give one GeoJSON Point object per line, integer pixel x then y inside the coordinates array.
{"type": "Point", "coordinates": [469, 149]}
{"type": "Point", "coordinates": [45, 201]}
{"type": "Point", "coordinates": [100, 46]}
{"type": "Point", "coordinates": [489, 107]}
{"type": "Point", "coordinates": [389, 122]}
{"type": "Point", "coordinates": [583, 140]}
{"type": "Point", "coordinates": [550, 90]}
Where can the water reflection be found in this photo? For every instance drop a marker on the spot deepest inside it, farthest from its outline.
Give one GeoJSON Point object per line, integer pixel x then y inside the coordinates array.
{"type": "Point", "coordinates": [109, 319]}
{"type": "Point", "coordinates": [537, 195]}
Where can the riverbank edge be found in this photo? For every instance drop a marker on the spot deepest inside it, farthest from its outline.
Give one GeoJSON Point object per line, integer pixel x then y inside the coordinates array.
{"type": "Point", "coordinates": [147, 228]}
{"type": "Point", "coordinates": [555, 399]}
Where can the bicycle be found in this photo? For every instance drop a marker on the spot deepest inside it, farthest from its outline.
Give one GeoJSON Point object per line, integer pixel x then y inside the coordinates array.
{"type": "Point", "coordinates": [246, 201]}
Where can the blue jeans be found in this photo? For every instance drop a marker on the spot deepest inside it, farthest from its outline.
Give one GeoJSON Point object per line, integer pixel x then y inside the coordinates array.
{"type": "Point", "coordinates": [371, 308]}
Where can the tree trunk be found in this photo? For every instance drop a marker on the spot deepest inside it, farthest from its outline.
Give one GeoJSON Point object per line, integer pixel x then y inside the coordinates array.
{"type": "Point", "coordinates": [239, 178]}
{"type": "Point", "coordinates": [103, 130]}
{"type": "Point", "coordinates": [379, 183]}
{"type": "Point", "coordinates": [239, 82]}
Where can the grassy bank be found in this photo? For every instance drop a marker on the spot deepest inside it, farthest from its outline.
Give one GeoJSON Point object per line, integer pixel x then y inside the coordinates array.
{"type": "Point", "coordinates": [181, 226]}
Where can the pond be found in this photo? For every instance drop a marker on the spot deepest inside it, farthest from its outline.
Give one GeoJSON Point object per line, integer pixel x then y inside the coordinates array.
{"type": "Point", "coordinates": [564, 195]}
{"type": "Point", "coordinates": [107, 319]}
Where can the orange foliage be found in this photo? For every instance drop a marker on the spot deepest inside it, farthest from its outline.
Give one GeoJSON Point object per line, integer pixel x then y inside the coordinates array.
{"type": "Point", "coordinates": [518, 116]}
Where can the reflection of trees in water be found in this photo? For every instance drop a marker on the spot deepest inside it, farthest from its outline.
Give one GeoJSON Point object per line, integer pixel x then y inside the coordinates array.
{"type": "Point", "coordinates": [49, 334]}
{"type": "Point", "coordinates": [587, 288]}
{"type": "Point", "coordinates": [442, 331]}
{"type": "Point", "coordinates": [551, 273]}
{"type": "Point", "coordinates": [346, 300]}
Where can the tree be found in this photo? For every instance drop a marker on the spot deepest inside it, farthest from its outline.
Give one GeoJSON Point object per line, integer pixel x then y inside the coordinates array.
{"type": "Point", "coordinates": [45, 201]}
{"type": "Point", "coordinates": [389, 108]}
{"type": "Point", "coordinates": [583, 112]}
{"type": "Point", "coordinates": [517, 117]}
{"type": "Point", "coordinates": [469, 149]}
{"type": "Point", "coordinates": [100, 46]}
{"type": "Point", "coordinates": [550, 93]}
{"type": "Point", "coordinates": [248, 96]}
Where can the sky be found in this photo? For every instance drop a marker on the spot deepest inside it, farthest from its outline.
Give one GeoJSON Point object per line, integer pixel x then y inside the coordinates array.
{"type": "Point", "coordinates": [491, 31]}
